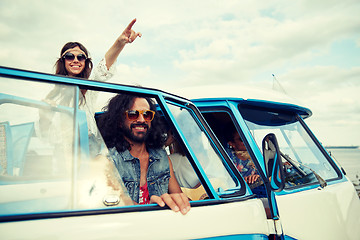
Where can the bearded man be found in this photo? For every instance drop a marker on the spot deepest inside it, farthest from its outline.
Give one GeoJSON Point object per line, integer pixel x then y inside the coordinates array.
{"type": "Point", "coordinates": [132, 132]}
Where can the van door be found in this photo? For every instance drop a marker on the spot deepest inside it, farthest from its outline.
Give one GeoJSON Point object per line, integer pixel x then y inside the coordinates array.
{"type": "Point", "coordinates": [317, 202]}
{"type": "Point", "coordinates": [240, 150]}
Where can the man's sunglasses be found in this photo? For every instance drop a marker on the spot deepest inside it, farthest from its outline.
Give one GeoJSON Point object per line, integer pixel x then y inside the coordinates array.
{"type": "Point", "coordinates": [70, 57]}
{"type": "Point", "coordinates": [133, 115]}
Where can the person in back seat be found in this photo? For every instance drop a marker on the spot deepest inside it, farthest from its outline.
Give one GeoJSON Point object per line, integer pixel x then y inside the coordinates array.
{"type": "Point", "coordinates": [242, 160]}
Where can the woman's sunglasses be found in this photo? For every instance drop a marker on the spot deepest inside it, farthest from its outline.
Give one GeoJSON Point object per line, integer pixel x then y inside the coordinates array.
{"type": "Point", "coordinates": [70, 57]}
{"type": "Point", "coordinates": [133, 115]}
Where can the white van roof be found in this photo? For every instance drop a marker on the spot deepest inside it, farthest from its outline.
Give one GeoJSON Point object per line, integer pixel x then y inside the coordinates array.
{"type": "Point", "coordinates": [236, 91]}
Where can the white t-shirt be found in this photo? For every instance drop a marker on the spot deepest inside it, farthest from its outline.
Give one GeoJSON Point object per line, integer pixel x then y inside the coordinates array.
{"type": "Point", "coordinates": [184, 172]}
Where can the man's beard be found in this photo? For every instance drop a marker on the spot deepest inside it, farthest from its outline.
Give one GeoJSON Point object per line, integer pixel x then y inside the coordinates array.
{"type": "Point", "coordinates": [140, 137]}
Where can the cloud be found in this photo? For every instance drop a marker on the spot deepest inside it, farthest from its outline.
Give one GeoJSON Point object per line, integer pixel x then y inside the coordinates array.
{"type": "Point", "coordinates": [196, 43]}
{"type": "Point", "coordinates": [263, 43]}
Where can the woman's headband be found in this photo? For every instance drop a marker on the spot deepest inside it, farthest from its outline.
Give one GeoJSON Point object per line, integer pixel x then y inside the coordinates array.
{"type": "Point", "coordinates": [70, 49]}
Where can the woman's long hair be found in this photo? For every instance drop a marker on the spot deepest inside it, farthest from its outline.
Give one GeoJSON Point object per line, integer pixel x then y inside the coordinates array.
{"type": "Point", "coordinates": [60, 63]}
{"type": "Point", "coordinates": [113, 118]}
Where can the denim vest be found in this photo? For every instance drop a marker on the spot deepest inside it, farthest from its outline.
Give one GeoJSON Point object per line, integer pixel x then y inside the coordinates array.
{"type": "Point", "coordinates": [158, 173]}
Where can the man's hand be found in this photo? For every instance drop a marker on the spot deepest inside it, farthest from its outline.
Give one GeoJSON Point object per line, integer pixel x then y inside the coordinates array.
{"type": "Point", "coordinates": [129, 35]}
{"type": "Point", "coordinates": [251, 179]}
{"type": "Point", "coordinates": [176, 202]}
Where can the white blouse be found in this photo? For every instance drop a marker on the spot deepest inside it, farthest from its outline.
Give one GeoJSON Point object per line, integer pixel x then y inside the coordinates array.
{"type": "Point", "coordinates": [100, 73]}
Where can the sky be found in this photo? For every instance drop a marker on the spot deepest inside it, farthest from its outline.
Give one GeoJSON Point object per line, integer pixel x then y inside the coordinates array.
{"type": "Point", "coordinates": [312, 48]}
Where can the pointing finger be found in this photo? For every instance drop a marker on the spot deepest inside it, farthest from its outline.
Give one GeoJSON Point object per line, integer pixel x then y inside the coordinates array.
{"type": "Point", "coordinates": [131, 24]}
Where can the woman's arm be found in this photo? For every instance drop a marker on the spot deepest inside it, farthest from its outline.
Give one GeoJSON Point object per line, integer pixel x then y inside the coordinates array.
{"type": "Point", "coordinates": [127, 36]}
{"type": "Point", "coordinates": [174, 186]}
{"type": "Point", "coordinates": [175, 199]}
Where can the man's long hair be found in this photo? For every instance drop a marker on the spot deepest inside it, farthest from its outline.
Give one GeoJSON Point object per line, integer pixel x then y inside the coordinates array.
{"type": "Point", "coordinates": [111, 121]}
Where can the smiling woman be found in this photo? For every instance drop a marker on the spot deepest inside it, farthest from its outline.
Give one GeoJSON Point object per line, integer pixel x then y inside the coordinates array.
{"type": "Point", "coordinates": [75, 61]}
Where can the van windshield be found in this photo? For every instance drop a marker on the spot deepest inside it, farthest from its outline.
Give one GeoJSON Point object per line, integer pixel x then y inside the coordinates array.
{"type": "Point", "coordinates": [301, 156]}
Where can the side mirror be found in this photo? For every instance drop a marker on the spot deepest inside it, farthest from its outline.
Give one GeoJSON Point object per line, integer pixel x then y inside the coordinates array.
{"type": "Point", "coordinates": [273, 163]}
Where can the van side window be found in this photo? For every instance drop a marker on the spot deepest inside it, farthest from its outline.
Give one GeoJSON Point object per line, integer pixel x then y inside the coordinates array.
{"type": "Point", "coordinates": [208, 158]}
{"type": "Point", "coordinates": [49, 160]}
{"type": "Point", "coordinates": [234, 145]}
